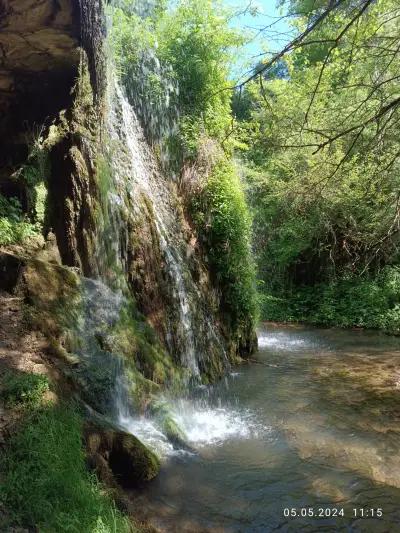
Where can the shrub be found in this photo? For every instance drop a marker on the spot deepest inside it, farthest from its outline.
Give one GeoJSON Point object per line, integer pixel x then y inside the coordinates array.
{"type": "Point", "coordinates": [14, 227]}
{"type": "Point", "coordinates": [26, 389]}
{"type": "Point", "coordinates": [370, 302]}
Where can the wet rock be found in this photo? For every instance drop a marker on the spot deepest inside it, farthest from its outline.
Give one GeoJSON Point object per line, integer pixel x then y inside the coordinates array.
{"type": "Point", "coordinates": [118, 457]}
{"type": "Point", "coordinates": [169, 426]}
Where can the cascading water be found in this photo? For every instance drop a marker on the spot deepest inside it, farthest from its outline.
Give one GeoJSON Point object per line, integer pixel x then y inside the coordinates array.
{"type": "Point", "coordinates": [100, 311]}
{"type": "Point", "coordinates": [137, 190]}
{"type": "Point", "coordinates": [186, 320]}
{"type": "Point", "coordinates": [137, 176]}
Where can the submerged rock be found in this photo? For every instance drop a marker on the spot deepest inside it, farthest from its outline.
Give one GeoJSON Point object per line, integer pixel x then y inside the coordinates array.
{"type": "Point", "coordinates": [169, 426]}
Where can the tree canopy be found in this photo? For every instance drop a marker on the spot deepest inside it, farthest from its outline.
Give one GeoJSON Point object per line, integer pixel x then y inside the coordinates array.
{"type": "Point", "coordinates": [322, 145]}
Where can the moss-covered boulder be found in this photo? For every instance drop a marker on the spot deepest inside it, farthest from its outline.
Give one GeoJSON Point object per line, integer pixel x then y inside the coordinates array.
{"type": "Point", "coordinates": [120, 455]}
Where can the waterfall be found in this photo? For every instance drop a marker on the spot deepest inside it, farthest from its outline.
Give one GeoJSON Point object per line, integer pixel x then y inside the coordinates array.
{"type": "Point", "coordinates": [186, 319]}
{"type": "Point", "coordinates": [138, 189]}
{"type": "Point", "coordinates": [100, 310]}
{"type": "Point", "coordinates": [139, 183]}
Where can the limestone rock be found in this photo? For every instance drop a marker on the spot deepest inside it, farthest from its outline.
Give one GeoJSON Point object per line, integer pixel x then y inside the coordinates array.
{"type": "Point", "coordinates": [119, 456]}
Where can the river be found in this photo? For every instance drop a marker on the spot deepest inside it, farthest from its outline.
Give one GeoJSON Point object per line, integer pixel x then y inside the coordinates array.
{"type": "Point", "coordinates": [311, 427]}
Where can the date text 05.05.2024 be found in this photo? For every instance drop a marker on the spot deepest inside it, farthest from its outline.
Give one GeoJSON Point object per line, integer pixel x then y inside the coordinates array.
{"type": "Point", "coordinates": [331, 512]}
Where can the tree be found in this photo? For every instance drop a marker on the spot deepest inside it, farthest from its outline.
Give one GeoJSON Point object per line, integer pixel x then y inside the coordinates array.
{"type": "Point", "coordinates": [323, 147]}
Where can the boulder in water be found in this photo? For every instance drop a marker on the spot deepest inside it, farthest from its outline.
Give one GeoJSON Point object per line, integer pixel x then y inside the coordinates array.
{"type": "Point", "coordinates": [119, 457]}
{"type": "Point", "coordinates": [169, 426]}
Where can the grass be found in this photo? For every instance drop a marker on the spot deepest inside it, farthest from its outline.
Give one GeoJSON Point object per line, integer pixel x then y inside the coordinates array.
{"type": "Point", "coordinates": [25, 389]}
{"type": "Point", "coordinates": [45, 482]}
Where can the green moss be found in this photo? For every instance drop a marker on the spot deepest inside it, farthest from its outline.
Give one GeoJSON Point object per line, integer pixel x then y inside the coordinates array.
{"type": "Point", "coordinates": [44, 482]}
{"type": "Point", "coordinates": [145, 463]}
{"type": "Point", "coordinates": [84, 120]}
{"type": "Point", "coordinates": [54, 296]}
{"type": "Point", "coordinates": [137, 341]}
{"type": "Point", "coordinates": [103, 177]}
{"type": "Point", "coordinates": [224, 224]}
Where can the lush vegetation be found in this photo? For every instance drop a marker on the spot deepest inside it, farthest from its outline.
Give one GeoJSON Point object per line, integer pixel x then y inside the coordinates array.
{"type": "Point", "coordinates": [23, 223]}
{"type": "Point", "coordinates": [174, 64]}
{"type": "Point", "coordinates": [23, 389]}
{"type": "Point", "coordinates": [44, 481]}
{"type": "Point", "coordinates": [368, 302]}
{"type": "Point", "coordinates": [316, 129]}
{"type": "Point", "coordinates": [223, 220]}
{"type": "Point", "coordinates": [13, 226]}
{"type": "Point", "coordinates": [320, 128]}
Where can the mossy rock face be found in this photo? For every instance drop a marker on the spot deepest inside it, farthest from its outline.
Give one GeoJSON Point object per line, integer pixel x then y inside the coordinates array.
{"type": "Point", "coordinates": [174, 433]}
{"type": "Point", "coordinates": [129, 461]}
{"type": "Point", "coordinates": [53, 292]}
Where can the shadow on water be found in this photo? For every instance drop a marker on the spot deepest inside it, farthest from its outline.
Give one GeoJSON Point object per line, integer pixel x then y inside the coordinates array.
{"type": "Point", "coordinates": [316, 424]}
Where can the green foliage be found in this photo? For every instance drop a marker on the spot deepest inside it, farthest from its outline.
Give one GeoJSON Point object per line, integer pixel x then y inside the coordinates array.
{"type": "Point", "coordinates": [131, 35]}
{"type": "Point", "coordinates": [14, 226]}
{"type": "Point", "coordinates": [224, 223]}
{"type": "Point", "coordinates": [196, 40]}
{"type": "Point", "coordinates": [361, 302]}
{"type": "Point", "coordinates": [323, 175]}
{"type": "Point", "coordinates": [175, 63]}
{"type": "Point", "coordinates": [148, 84]}
{"type": "Point", "coordinates": [45, 483]}
{"type": "Point", "coordinates": [17, 226]}
{"type": "Point", "coordinates": [23, 389]}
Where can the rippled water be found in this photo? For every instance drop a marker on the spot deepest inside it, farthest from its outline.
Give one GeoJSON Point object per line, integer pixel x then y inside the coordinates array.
{"type": "Point", "coordinates": [314, 423]}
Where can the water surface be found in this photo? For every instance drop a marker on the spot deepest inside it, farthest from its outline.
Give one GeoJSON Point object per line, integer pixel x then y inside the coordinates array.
{"type": "Point", "coordinates": [313, 423]}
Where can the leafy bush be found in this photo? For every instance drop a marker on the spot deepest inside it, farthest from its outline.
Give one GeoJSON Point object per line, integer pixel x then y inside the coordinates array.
{"type": "Point", "coordinates": [14, 227]}
{"type": "Point", "coordinates": [196, 40]}
{"type": "Point", "coordinates": [148, 83]}
{"type": "Point", "coordinates": [323, 178]}
{"type": "Point", "coordinates": [370, 302]}
{"type": "Point", "coordinates": [45, 483]}
{"type": "Point", "coordinates": [174, 64]}
{"type": "Point", "coordinates": [21, 388]}
{"type": "Point", "coordinates": [224, 223]}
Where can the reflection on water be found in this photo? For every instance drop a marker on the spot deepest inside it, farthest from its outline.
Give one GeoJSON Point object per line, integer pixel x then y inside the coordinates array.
{"type": "Point", "coordinates": [315, 422]}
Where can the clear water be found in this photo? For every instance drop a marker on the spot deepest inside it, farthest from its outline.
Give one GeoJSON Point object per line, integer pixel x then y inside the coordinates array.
{"type": "Point", "coordinates": [314, 423]}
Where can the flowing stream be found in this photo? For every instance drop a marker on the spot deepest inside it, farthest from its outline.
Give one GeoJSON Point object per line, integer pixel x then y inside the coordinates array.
{"type": "Point", "coordinates": [313, 424]}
